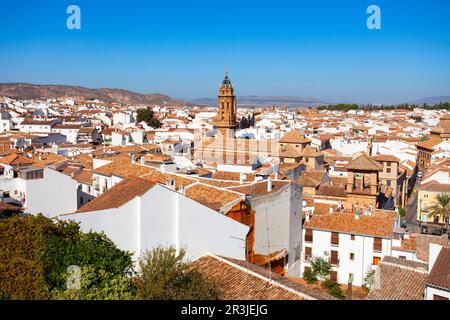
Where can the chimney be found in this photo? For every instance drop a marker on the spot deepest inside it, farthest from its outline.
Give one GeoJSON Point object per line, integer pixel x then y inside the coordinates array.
{"type": "Point", "coordinates": [269, 185]}
{"type": "Point", "coordinates": [307, 216]}
{"type": "Point", "coordinates": [142, 160]}
{"type": "Point", "coordinates": [357, 213]}
{"type": "Point", "coordinates": [163, 168]}
{"type": "Point", "coordinates": [242, 178]}
{"type": "Point", "coordinates": [170, 183]}
{"type": "Point", "coordinates": [133, 159]}
{"type": "Point", "coordinates": [276, 175]}
{"type": "Point", "coordinates": [182, 190]}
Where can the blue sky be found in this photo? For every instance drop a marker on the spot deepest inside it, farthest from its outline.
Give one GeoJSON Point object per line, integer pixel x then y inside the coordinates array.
{"type": "Point", "coordinates": [319, 49]}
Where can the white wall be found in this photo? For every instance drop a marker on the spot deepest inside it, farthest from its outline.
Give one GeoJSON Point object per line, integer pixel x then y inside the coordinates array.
{"type": "Point", "coordinates": [53, 195]}
{"type": "Point", "coordinates": [430, 292]}
{"type": "Point", "coordinates": [361, 247]}
{"type": "Point", "coordinates": [164, 217]}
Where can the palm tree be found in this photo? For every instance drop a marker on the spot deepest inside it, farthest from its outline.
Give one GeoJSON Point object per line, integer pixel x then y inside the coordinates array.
{"type": "Point", "coordinates": [441, 207]}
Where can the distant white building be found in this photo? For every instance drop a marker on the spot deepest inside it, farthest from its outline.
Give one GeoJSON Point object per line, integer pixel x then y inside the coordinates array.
{"type": "Point", "coordinates": [353, 243]}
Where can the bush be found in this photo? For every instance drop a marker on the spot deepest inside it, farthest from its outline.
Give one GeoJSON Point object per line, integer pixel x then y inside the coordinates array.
{"type": "Point", "coordinates": [310, 277]}
{"type": "Point", "coordinates": [166, 275]}
{"type": "Point", "coordinates": [333, 289]}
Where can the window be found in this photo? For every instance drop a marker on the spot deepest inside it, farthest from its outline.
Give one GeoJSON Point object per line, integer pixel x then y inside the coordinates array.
{"type": "Point", "coordinates": [307, 269]}
{"type": "Point", "coordinates": [388, 183]}
{"type": "Point", "coordinates": [376, 260]}
{"type": "Point", "coordinates": [308, 253]}
{"type": "Point", "coordinates": [333, 276]}
{"type": "Point", "coordinates": [334, 258]}
{"type": "Point", "coordinates": [388, 170]}
{"type": "Point", "coordinates": [309, 235]}
{"type": "Point", "coordinates": [352, 237]}
{"type": "Point", "coordinates": [402, 257]}
{"type": "Point", "coordinates": [438, 297]}
{"type": "Point", "coordinates": [377, 244]}
{"type": "Point", "coordinates": [335, 238]}
{"type": "Point", "coordinates": [352, 256]}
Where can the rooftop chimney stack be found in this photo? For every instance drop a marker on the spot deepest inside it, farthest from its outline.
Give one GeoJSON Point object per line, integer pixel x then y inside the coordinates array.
{"type": "Point", "coordinates": [242, 178]}
{"type": "Point", "coordinates": [269, 185]}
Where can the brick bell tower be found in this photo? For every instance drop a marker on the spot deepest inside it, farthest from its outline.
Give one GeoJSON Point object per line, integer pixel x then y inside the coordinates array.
{"type": "Point", "coordinates": [226, 116]}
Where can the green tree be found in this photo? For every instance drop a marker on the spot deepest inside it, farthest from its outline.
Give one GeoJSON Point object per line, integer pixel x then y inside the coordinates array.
{"type": "Point", "coordinates": [35, 253]}
{"type": "Point", "coordinates": [321, 268]}
{"type": "Point", "coordinates": [165, 274]}
{"type": "Point", "coordinates": [148, 116]}
{"type": "Point", "coordinates": [369, 278]}
{"type": "Point", "coordinates": [441, 206]}
{"type": "Point", "coordinates": [98, 285]}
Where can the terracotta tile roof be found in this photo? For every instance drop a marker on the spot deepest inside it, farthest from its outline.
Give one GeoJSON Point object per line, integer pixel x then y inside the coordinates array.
{"type": "Point", "coordinates": [117, 196]}
{"type": "Point", "coordinates": [332, 191]}
{"type": "Point", "coordinates": [47, 159]}
{"type": "Point", "coordinates": [161, 178]}
{"type": "Point", "coordinates": [429, 144]}
{"type": "Point", "coordinates": [285, 167]}
{"type": "Point", "coordinates": [423, 244]}
{"type": "Point", "coordinates": [212, 197]}
{"type": "Point", "coordinates": [385, 157]}
{"type": "Point", "coordinates": [398, 279]}
{"type": "Point", "coordinates": [440, 273]}
{"type": "Point", "coordinates": [232, 176]}
{"type": "Point", "coordinates": [378, 224]}
{"type": "Point", "coordinates": [294, 136]}
{"type": "Point", "coordinates": [288, 151]}
{"type": "Point", "coordinates": [364, 163]}
{"type": "Point", "coordinates": [123, 169]}
{"type": "Point", "coordinates": [408, 244]}
{"type": "Point", "coordinates": [434, 186]}
{"type": "Point", "coordinates": [245, 281]}
{"type": "Point", "coordinates": [84, 176]}
{"type": "Point", "coordinates": [310, 178]}
{"type": "Point", "coordinates": [219, 183]}
{"type": "Point", "coordinates": [16, 160]}
{"type": "Point", "coordinates": [309, 151]}
{"type": "Point", "coordinates": [260, 188]}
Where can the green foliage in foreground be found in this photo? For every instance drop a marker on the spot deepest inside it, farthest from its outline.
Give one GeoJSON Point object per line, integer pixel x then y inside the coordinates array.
{"type": "Point", "coordinates": [165, 274]}
{"type": "Point", "coordinates": [35, 253]}
{"type": "Point", "coordinates": [38, 255]}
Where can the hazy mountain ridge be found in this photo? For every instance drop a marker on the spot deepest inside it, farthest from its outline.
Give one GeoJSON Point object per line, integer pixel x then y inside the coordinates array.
{"type": "Point", "coordinates": [289, 101]}
{"type": "Point", "coordinates": [431, 100]}
{"type": "Point", "coordinates": [32, 91]}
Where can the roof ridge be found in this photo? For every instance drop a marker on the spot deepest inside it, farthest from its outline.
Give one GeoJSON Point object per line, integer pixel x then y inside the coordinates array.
{"type": "Point", "coordinates": [260, 276]}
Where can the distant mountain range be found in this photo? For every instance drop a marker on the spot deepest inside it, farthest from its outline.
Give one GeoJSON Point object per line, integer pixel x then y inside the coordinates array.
{"type": "Point", "coordinates": [259, 101]}
{"type": "Point", "coordinates": [33, 91]}
{"type": "Point", "coordinates": [431, 100]}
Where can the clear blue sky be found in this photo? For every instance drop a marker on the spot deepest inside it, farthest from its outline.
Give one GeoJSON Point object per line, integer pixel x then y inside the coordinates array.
{"type": "Point", "coordinates": [305, 48]}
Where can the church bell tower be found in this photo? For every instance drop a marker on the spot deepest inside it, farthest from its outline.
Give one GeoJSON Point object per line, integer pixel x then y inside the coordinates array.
{"type": "Point", "coordinates": [226, 115]}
